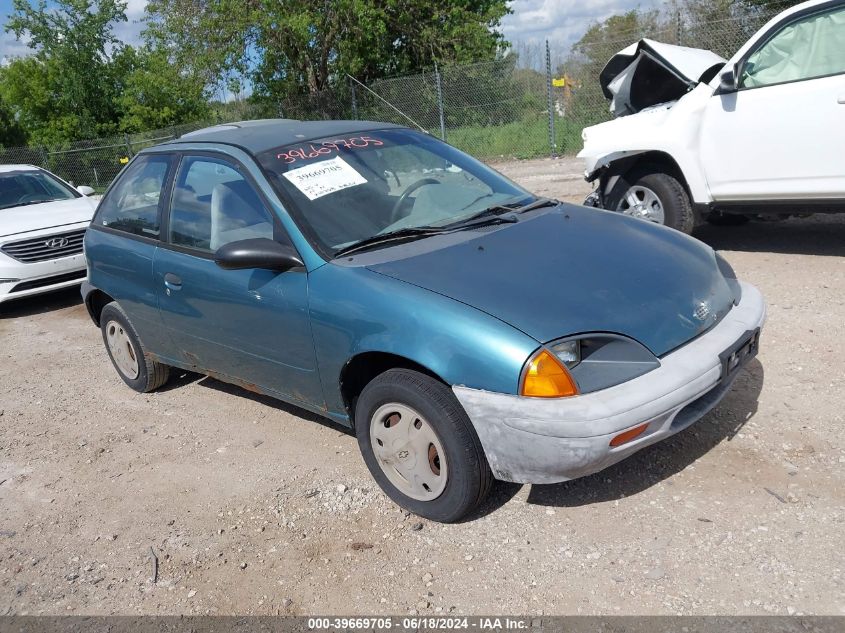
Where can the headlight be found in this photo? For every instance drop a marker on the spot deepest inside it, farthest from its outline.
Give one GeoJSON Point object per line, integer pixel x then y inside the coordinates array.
{"type": "Point", "coordinates": [584, 364]}
{"type": "Point", "coordinates": [568, 352]}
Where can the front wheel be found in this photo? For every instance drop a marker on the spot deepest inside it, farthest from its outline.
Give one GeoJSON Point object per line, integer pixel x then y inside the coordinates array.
{"type": "Point", "coordinates": [649, 194]}
{"type": "Point", "coordinates": [420, 446]}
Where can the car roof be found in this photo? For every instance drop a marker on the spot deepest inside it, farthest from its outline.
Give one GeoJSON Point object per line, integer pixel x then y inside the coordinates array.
{"type": "Point", "coordinates": [7, 168]}
{"type": "Point", "coordinates": [265, 134]}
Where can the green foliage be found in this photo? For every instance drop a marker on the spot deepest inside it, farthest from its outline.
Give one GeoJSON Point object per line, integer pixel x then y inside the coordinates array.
{"type": "Point", "coordinates": [70, 69]}
{"type": "Point", "coordinates": [156, 94]}
{"type": "Point", "coordinates": [306, 46]}
{"type": "Point", "coordinates": [82, 82]}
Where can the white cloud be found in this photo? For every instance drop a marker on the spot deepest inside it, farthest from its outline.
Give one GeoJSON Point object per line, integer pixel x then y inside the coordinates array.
{"type": "Point", "coordinates": [128, 32]}
{"type": "Point", "coordinates": [562, 22]}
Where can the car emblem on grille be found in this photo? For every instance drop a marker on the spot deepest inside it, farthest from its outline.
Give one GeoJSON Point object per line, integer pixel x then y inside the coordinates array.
{"type": "Point", "coordinates": [57, 242]}
{"type": "Point", "coordinates": [702, 311]}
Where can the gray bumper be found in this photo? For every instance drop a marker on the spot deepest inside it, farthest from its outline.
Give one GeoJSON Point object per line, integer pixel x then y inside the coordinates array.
{"type": "Point", "coordinates": [536, 440]}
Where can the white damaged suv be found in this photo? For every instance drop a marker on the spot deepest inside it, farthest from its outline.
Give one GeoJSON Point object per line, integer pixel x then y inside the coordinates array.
{"type": "Point", "coordinates": [697, 138]}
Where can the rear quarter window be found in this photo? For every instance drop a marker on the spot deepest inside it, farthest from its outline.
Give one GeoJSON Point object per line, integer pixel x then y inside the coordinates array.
{"type": "Point", "coordinates": [132, 204]}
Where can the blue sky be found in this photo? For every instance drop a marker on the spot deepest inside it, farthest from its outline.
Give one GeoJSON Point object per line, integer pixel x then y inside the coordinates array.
{"type": "Point", "coordinates": [561, 21]}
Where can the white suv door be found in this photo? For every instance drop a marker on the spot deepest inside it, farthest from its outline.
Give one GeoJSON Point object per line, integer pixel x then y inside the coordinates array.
{"type": "Point", "coordinates": [781, 134]}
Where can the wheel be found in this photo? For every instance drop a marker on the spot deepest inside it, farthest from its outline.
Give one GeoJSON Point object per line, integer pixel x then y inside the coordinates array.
{"type": "Point", "coordinates": [126, 352]}
{"type": "Point", "coordinates": [650, 194]}
{"type": "Point", "coordinates": [420, 446]}
{"type": "Point", "coordinates": [718, 218]}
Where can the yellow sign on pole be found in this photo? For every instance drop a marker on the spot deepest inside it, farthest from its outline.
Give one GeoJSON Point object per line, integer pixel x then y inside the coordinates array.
{"type": "Point", "coordinates": [559, 83]}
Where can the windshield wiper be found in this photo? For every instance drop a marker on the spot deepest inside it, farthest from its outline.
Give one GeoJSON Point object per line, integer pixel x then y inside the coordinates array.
{"type": "Point", "coordinates": [390, 236]}
{"type": "Point", "coordinates": [501, 212]}
{"type": "Point", "coordinates": [26, 204]}
{"type": "Point", "coordinates": [422, 231]}
{"type": "Point", "coordinates": [538, 203]}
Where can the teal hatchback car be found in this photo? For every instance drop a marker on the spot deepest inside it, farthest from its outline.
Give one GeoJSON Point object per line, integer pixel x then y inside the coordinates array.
{"type": "Point", "coordinates": [466, 329]}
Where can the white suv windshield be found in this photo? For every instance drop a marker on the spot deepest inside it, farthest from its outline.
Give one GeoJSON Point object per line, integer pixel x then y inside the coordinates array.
{"type": "Point", "coordinates": [345, 190]}
{"type": "Point", "coordinates": [24, 187]}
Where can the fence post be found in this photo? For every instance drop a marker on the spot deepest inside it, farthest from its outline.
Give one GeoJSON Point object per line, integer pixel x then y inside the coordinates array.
{"type": "Point", "coordinates": [678, 28]}
{"type": "Point", "coordinates": [128, 144]}
{"type": "Point", "coordinates": [43, 155]}
{"type": "Point", "coordinates": [552, 140]}
{"type": "Point", "coordinates": [440, 102]}
{"type": "Point", "coordinates": [354, 100]}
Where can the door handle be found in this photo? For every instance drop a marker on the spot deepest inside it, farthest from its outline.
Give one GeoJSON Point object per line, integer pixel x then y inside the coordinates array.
{"type": "Point", "coordinates": [172, 282]}
{"type": "Point", "coordinates": [841, 100]}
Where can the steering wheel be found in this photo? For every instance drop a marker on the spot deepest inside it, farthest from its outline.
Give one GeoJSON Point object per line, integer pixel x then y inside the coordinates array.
{"type": "Point", "coordinates": [394, 212]}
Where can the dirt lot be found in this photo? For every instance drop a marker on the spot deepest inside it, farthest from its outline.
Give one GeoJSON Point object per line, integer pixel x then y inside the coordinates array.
{"type": "Point", "coordinates": [252, 506]}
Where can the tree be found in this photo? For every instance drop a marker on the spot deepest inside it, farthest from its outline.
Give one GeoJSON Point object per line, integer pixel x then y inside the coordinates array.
{"type": "Point", "coordinates": [11, 133]}
{"type": "Point", "coordinates": [155, 94]}
{"type": "Point", "coordinates": [71, 69]}
{"type": "Point", "coordinates": [305, 46]}
{"type": "Point", "coordinates": [82, 82]}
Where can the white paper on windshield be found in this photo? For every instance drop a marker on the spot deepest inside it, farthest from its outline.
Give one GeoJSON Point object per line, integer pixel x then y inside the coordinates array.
{"type": "Point", "coordinates": [325, 177]}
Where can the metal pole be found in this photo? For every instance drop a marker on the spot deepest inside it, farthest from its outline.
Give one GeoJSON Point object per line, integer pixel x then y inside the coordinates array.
{"type": "Point", "coordinates": [128, 144]}
{"type": "Point", "coordinates": [552, 140]}
{"type": "Point", "coordinates": [440, 102]}
{"type": "Point", "coordinates": [678, 28]}
{"type": "Point", "coordinates": [354, 100]}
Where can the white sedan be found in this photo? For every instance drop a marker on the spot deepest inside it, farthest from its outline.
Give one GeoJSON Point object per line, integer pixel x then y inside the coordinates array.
{"type": "Point", "coordinates": [42, 223]}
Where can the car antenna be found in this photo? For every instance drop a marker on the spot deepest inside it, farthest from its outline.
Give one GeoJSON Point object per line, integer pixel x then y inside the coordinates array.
{"type": "Point", "coordinates": [378, 96]}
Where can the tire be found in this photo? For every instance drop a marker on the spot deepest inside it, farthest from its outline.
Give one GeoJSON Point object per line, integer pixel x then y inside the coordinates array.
{"type": "Point", "coordinates": [127, 353]}
{"type": "Point", "coordinates": [430, 415]}
{"type": "Point", "coordinates": [675, 206]}
{"type": "Point", "coordinates": [717, 218]}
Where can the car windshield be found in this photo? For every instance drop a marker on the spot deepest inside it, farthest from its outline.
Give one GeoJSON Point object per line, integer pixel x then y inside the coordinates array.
{"type": "Point", "coordinates": [24, 187]}
{"type": "Point", "coordinates": [349, 189]}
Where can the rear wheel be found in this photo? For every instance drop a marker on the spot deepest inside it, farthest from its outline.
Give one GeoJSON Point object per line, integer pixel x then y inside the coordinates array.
{"type": "Point", "coordinates": [420, 446]}
{"type": "Point", "coordinates": [126, 352]}
{"type": "Point", "coordinates": [649, 194]}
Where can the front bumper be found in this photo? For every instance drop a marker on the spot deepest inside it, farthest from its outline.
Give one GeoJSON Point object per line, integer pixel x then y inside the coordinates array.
{"type": "Point", "coordinates": [19, 279]}
{"type": "Point", "coordinates": [536, 440]}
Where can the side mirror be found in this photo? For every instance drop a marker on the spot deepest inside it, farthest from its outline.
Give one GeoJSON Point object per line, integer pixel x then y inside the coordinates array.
{"type": "Point", "coordinates": [85, 190]}
{"type": "Point", "coordinates": [728, 81]}
{"type": "Point", "coordinates": [257, 253]}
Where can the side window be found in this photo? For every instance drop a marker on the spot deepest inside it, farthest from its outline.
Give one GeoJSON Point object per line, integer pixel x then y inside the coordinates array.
{"type": "Point", "coordinates": [132, 204]}
{"type": "Point", "coordinates": [213, 205]}
{"type": "Point", "coordinates": [810, 47]}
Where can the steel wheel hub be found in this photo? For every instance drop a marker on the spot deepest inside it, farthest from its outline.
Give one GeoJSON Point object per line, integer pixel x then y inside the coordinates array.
{"type": "Point", "coordinates": [641, 202]}
{"type": "Point", "coordinates": [408, 451]}
{"type": "Point", "coordinates": [121, 350]}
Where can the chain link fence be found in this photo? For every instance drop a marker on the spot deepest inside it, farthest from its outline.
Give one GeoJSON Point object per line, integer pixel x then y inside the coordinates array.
{"type": "Point", "coordinates": [533, 102]}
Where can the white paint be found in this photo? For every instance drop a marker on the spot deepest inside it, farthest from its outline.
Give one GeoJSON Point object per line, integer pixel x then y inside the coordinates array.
{"type": "Point", "coordinates": [768, 143]}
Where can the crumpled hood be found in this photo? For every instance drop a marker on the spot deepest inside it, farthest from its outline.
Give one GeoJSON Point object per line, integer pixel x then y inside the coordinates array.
{"type": "Point", "coordinates": [647, 73]}
{"type": "Point", "coordinates": [573, 270]}
{"type": "Point", "coordinates": [34, 217]}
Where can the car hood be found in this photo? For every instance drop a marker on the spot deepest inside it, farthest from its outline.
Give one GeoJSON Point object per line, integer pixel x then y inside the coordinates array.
{"type": "Point", "coordinates": [47, 215]}
{"type": "Point", "coordinates": [647, 73]}
{"type": "Point", "coordinates": [573, 270]}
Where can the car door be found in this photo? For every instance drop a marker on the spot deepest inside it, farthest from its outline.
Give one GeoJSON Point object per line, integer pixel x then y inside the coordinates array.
{"type": "Point", "coordinates": [780, 134]}
{"type": "Point", "coordinates": [252, 325]}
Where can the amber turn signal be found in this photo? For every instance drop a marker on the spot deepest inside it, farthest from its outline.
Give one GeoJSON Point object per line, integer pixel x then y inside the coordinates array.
{"type": "Point", "coordinates": [546, 377]}
{"type": "Point", "coordinates": [630, 434]}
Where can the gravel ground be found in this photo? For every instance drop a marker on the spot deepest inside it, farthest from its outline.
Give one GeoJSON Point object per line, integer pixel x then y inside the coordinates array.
{"type": "Point", "coordinates": [253, 506]}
